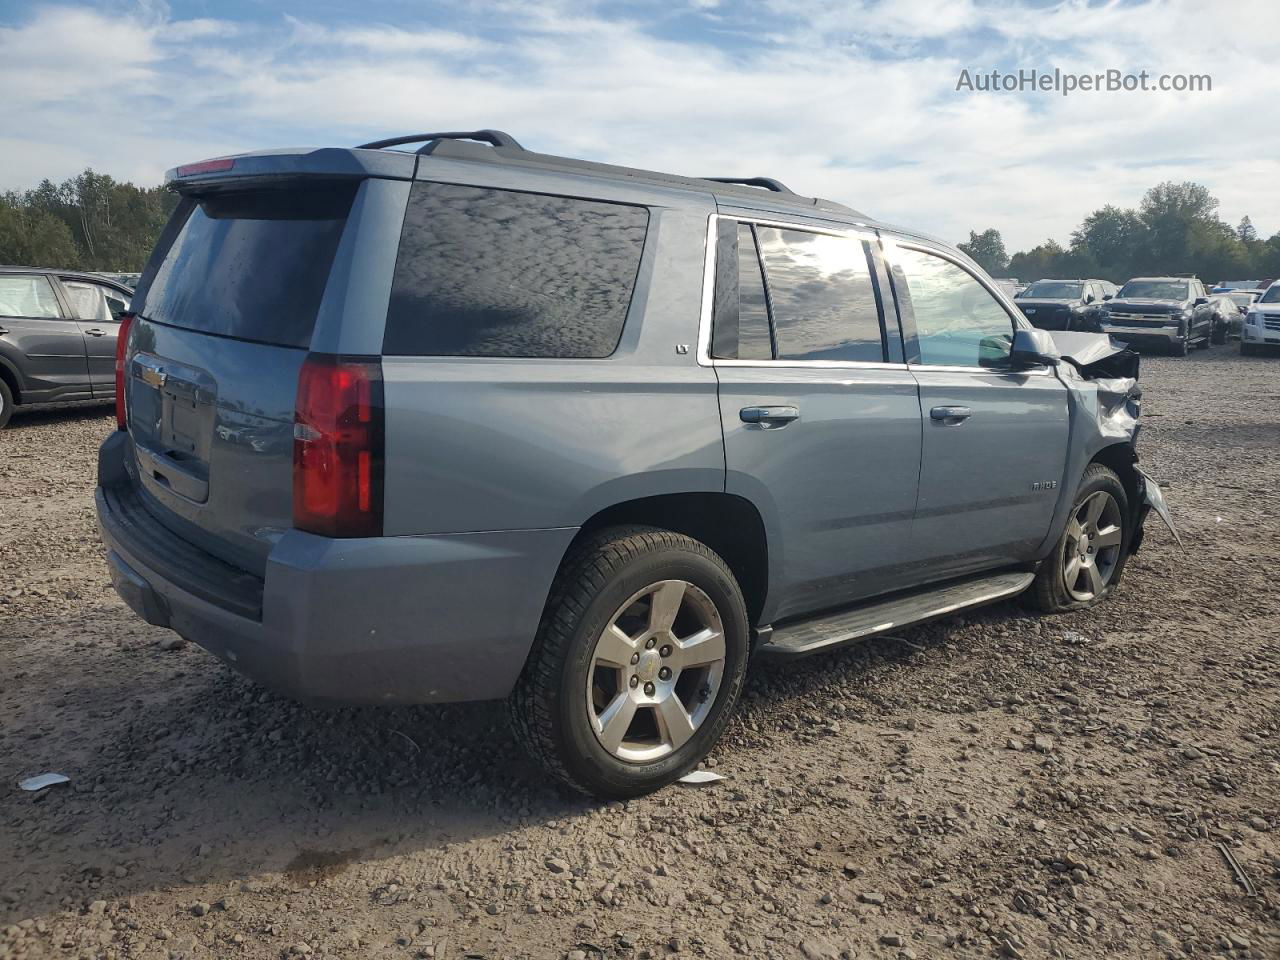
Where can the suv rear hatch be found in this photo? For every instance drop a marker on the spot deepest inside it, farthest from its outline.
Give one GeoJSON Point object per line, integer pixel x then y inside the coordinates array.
{"type": "Point", "coordinates": [224, 322]}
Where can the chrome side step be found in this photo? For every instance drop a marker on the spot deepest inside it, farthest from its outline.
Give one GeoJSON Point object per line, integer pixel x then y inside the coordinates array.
{"type": "Point", "coordinates": [846, 626]}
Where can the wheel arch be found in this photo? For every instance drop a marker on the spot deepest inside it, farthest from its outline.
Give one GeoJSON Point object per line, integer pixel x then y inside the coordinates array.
{"type": "Point", "coordinates": [1122, 460]}
{"type": "Point", "coordinates": [9, 374]}
{"type": "Point", "coordinates": [730, 525]}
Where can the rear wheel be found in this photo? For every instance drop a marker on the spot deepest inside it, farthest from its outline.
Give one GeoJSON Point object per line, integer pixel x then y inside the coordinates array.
{"type": "Point", "coordinates": [637, 664]}
{"type": "Point", "coordinates": [1087, 563]}
{"type": "Point", "coordinates": [6, 403]}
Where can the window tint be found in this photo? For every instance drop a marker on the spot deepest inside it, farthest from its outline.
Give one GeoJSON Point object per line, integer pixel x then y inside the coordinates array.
{"type": "Point", "coordinates": [252, 265]}
{"type": "Point", "coordinates": [27, 296]}
{"type": "Point", "coordinates": [740, 326]}
{"type": "Point", "coordinates": [86, 299]}
{"type": "Point", "coordinates": [494, 273]}
{"type": "Point", "coordinates": [824, 304]}
{"type": "Point", "coordinates": [958, 323]}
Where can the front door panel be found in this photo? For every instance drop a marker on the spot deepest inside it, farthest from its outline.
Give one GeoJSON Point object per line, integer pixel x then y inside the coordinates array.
{"type": "Point", "coordinates": [989, 474]}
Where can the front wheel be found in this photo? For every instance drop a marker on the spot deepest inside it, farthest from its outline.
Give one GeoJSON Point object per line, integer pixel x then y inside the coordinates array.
{"type": "Point", "coordinates": [637, 664]}
{"type": "Point", "coordinates": [6, 403]}
{"type": "Point", "coordinates": [1181, 348]}
{"type": "Point", "coordinates": [1220, 333]}
{"type": "Point", "coordinates": [1087, 563]}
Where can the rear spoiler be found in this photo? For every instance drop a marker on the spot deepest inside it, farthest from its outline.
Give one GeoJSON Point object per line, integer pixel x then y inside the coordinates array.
{"type": "Point", "coordinates": [327, 162]}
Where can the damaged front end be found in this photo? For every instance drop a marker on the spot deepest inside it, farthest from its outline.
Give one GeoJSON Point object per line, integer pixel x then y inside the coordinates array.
{"type": "Point", "coordinates": [1103, 376]}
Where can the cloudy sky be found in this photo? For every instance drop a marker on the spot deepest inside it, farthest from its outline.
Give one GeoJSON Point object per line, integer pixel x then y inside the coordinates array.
{"type": "Point", "coordinates": [850, 99]}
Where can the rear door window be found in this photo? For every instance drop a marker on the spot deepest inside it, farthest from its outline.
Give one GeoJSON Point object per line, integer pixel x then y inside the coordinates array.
{"type": "Point", "coordinates": [252, 265]}
{"type": "Point", "coordinates": [824, 302]}
{"type": "Point", "coordinates": [501, 273]}
{"type": "Point", "coordinates": [27, 295]}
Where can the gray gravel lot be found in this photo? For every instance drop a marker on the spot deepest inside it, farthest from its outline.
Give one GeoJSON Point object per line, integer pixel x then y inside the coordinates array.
{"type": "Point", "coordinates": [991, 785]}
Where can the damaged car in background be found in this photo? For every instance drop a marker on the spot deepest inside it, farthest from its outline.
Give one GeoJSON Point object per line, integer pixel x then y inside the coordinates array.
{"type": "Point", "coordinates": [440, 418]}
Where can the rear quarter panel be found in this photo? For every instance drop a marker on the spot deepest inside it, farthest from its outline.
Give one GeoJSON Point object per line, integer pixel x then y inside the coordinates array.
{"type": "Point", "coordinates": [476, 444]}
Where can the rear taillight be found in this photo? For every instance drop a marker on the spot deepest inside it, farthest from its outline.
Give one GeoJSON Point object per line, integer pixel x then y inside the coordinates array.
{"type": "Point", "coordinates": [122, 345]}
{"type": "Point", "coordinates": [338, 447]}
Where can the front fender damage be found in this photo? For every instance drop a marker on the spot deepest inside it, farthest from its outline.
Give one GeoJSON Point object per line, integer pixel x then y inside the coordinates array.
{"type": "Point", "coordinates": [1104, 376]}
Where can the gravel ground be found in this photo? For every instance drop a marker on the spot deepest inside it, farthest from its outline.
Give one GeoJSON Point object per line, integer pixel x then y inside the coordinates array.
{"type": "Point", "coordinates": [990, 785]}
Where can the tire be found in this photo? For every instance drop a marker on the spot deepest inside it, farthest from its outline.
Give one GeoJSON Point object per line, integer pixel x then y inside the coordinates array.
{"type": "Point", "coordinates": [6, 403]}
{"type": "Point", "coordinates": [1180, 348]}
{"type": "Point", "coordinates": [1248, 349]}
{"type": "Point", "coordinates": [1051, 591]}
{"type": "Point", "coordinates": [566, 693]}
{"type": "Point", "coordinates": [1220, 333]}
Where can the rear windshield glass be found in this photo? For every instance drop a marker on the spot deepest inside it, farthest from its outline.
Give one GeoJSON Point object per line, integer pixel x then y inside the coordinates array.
{"type": "Point", "coordinates": [252, 265]}
{"type": "Point", "coordinates": [496, 273]}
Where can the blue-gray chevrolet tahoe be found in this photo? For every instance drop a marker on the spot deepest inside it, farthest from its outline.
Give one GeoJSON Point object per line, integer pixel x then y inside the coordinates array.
{"type": "Point", "coordinates": [470, 422]}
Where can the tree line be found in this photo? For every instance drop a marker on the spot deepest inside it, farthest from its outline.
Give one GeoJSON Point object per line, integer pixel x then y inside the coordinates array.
{"type": "Point", "coordinates": [94, 222]}
{"type": "Point", "coordinates": [87, 222]}
{"type": "Point", "coordinates": [1175, 229]}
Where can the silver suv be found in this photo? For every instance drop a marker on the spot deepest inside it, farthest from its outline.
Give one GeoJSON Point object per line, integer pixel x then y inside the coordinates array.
{"type": "Point", "coordinates": [473, 422]}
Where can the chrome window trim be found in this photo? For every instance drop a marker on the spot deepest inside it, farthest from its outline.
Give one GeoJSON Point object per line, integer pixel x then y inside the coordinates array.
{"type": "Point", "coordinates": [708, 297]}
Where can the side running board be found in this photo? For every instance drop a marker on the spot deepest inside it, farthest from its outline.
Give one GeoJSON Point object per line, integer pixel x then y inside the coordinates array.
{"type": "Point", "coordinates": [857, 623]}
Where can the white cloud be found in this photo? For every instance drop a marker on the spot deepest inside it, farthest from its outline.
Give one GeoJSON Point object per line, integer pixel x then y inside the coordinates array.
{"type": "Point", "coordinates": [851, 100]}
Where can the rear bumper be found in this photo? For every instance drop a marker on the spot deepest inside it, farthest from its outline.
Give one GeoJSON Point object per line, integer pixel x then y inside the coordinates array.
{"type": "Point", "coordinates": [384, 620]}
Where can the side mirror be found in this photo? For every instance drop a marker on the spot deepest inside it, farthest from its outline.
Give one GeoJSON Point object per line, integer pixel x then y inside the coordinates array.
{"type": "Point", "coordinates": [1033, 348]}
{"type": "Point", "coordinates": [1107, 296]}
{"type": "Point", "coordinates": [1088, 298]}
{"type": "Point", "coordinates": [1201, 301]}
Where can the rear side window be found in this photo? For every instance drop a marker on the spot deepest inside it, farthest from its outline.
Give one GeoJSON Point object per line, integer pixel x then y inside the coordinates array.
{"type": "Point", "coordinates": [27, 296]}
{"type": "Point", "coordinates": [824, 303]}
{"type": "Point", "coordinates": [499, 273]}
{"type": "Point", "coordinates": [252, 265]}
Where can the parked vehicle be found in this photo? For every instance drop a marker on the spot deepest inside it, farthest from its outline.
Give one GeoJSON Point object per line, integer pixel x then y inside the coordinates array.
{"type": "Point", "coordinates": [1225, 320]}
{"type": "Point", "coordinates": [57, 336]}
{"type": "Point", "coordinates": [478, 422]}
{"type": "Point", "coordinates": [1243, 300]}
{"type": "Point", "coordinates": [1170, 312]}
{"type": "Point", "coordinates": [129, 280]}
{"type": "Point", "coordinates": [1262, 323]}
{"type": "Point", "coordinates": [1065, 304]}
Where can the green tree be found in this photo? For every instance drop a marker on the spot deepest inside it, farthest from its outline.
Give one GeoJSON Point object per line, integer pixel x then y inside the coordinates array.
{"type": "Point", "coordinates": [1170, 211]}
{"type": "Point", "coordinates": [987, 250]}
{"type": "Point", "coordinates": [1114, 239]}
{"type": "Point", "coordinates": [33, 237]}
{"type": "Point", "coordinates": [1246, 231]}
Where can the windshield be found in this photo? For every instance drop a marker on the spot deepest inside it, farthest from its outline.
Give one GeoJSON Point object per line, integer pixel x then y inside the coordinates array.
{"type": "Point", "coordinates": [1155, 289]}
{"type": "Point", "coordinates": [1052, 290]}
{"type": "Point", "coordinates": [1272, 295]}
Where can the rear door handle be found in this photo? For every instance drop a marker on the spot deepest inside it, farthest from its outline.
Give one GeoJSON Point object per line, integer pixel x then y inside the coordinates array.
{"type": "Point", "coordinates": [95, 332]}
{"type": "Point", "coordinates": [769, 416]}
{"type": "Point", "coordinates": [950, 415]}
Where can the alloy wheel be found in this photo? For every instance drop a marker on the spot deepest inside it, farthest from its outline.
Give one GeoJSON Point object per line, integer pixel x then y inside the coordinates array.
{"type": "Point", "coordinates": [1091, 552]}
{"type": "Point", "coordinates": [655, 671]}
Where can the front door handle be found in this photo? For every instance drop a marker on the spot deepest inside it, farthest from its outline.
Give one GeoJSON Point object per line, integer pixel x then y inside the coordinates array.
{"type": "Point", "coordinates": [951, 415]}
{"type": "Point", "coordinates": [769, 416]}
{"type": "Point", "coordinates": [95, 332]}
{"type": "Point", "coordinates": [3, 331]}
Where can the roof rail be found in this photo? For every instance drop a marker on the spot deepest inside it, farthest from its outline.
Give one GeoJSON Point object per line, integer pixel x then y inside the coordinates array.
{"type": "Point", "coordinates": [768, 183]}
{"type": "Point", "coordinates": [495, 137]}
